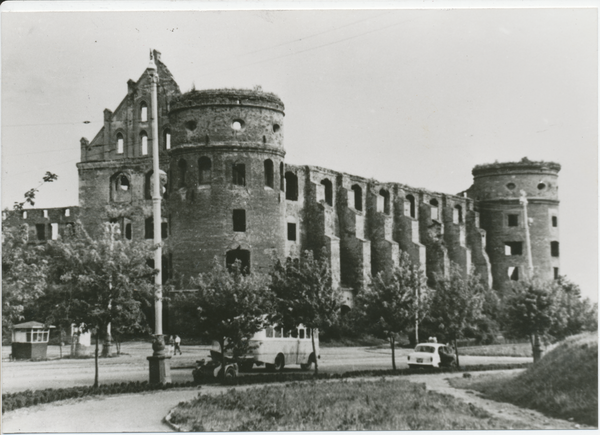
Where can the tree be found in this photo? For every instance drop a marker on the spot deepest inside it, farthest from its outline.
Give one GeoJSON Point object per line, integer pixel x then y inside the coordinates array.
{"type": "Point", "coordinates": [98, 282]}
{"type": "Point", "coordinates": [394, 301]}
{"type": "Point", "coordinates": [305, 295]}
{"type": "Point", "coordinates": [457, 304]}
{"type": "Point", "coordinates": [574, 313]}
{"type": "Point", "coordinates": [531, 311]}
{"type": "Point", "coordinates": [24, 270]}
{"type": "Point", "coordinates": [30, 194]}
{"type": "Point", "coordinates": [232, 307]}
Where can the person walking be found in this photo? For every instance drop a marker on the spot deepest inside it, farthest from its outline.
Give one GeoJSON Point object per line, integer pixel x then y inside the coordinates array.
{"type": "Point", "coordinates": [177, 345]}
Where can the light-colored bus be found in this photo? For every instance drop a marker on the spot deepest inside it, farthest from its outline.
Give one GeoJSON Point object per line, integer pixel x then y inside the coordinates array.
{"type": "Point", "coordinates": [276, 348]}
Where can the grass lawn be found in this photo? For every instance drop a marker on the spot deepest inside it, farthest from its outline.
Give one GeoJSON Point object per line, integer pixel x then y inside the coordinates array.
{"type": "Point", "coordinates": [563, 384]}
{"type": "Point", "coordinates": [340, 405]}
{"type": "Point", "coordinates": [517, 349]}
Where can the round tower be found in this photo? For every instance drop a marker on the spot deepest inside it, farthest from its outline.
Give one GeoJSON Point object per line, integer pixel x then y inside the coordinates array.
{"type": "Point", "coordinates": [518, 206]}
{"type": "Point", "coordinates": [225, 179]}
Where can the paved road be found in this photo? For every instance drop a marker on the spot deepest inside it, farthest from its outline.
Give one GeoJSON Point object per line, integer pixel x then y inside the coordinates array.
{"type": "Point", "coordinates": [133, 366]}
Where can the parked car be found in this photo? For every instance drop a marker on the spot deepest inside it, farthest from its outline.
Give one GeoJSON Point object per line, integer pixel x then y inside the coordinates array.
{"type": "Point", "coordinates": [431, 355]}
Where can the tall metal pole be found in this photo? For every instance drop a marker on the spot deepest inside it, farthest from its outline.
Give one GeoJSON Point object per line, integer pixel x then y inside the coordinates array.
{"type": "Point", "coordinates": [159, 362]}
{"type": "Point", "coordinates": [523, 201]}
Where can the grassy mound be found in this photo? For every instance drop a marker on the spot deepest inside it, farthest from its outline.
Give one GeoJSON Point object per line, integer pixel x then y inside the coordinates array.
{"type": "Point", "coordinates": [563, 384]}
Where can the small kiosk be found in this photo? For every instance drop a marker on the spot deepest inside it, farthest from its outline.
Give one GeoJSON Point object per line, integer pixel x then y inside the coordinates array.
{"type": "Point", "coordinates": [30, 340]}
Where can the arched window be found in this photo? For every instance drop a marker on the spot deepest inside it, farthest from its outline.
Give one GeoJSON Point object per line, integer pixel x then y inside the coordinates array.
{"type": "Point", "coordinates": [204, 170]}
{"type": "Point", "coordinates": [167, 138]}
{"type": "Point", "coordinates": [357, 197]}
{"type": "Point", "coordinates": [291, 186]}
{"type": "Point", "coordinates": [241, 255]}
{"type": "Point", "coordinates": [148, 185]}
{"type": "Point", "coordinates": [269, 173]}
{"type": "Point", "coordinates": [435, 212]}
{"type": "Point", "coordinates": [239, 174]}
{"type": "Point", "coordinates": [328, 191]}
{"type": "Point", "coordinates": [384, 200]}
{"type": "Point", "coordinates": [182, 172]}
{"type": "Point", "coordinates": [143, 112]}
{"type": "Point", "coordinates": [457, 214]}
{"type": "Point", "coordinates": [281, 179]}
{"type": "Point", "coordinates": [120, 144]}
{"type": "Point", "coordinates": [144, 142]}
{"type": "Point", "coordinates": [409, 207]}
{"type": "Point", "coordinates": [122, 183]}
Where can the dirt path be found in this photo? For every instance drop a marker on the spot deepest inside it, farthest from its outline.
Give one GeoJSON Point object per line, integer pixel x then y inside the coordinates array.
{"type": "Point", "coordinates": [145, 412]}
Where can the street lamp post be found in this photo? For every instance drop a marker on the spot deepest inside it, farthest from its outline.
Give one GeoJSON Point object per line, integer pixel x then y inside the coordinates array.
{"type": "Point", "coordinates": [159, 362]}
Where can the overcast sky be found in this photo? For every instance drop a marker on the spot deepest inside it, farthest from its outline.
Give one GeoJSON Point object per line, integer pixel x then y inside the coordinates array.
{"type": "Point", "coordinates": [412, 96]}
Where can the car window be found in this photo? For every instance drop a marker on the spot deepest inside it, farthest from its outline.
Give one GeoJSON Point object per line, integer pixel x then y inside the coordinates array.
{"type": "Point", "coordinates": [425, 349]}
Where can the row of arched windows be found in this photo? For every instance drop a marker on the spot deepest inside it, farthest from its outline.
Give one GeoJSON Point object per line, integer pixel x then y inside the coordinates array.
{"type": "Point", "coordinates": [143, 141]}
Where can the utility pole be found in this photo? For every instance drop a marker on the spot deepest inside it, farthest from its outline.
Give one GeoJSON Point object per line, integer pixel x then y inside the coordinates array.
{"type": "Point", "coordinates": [160, 363]}
{"type": "Point", "coordinates": [523, 201]}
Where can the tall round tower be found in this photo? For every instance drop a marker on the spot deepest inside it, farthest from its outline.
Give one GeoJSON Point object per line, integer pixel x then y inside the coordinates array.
{"type": "Point", "coordinates": [518, 206]}
{"type": "Point", "coordinates": [225, 179]}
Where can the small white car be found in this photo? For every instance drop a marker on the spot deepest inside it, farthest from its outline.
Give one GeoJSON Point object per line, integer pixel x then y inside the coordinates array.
{"type": "Point", "coordinates": [431, 355]}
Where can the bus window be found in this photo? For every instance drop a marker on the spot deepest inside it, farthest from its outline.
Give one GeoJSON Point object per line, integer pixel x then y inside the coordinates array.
{"type": "Point", "coordinates": [269, 332]}
{"type": "Point", "coordinates": [278, 333]}
{"type": "Point", "coordinates": [294, 333]}
{"type": "Point", "coordinates": [286, 334]}
{"type": "Point", "coordinates": [307, 332]}
{"type": "Point", "coordinates": [301, 333]}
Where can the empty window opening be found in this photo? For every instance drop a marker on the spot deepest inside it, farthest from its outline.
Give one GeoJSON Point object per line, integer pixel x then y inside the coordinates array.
{"type": "Point", "coordinates": [269, 173]}
{"type": "Point", "coordinates": [554, 249]}
{"type": "Point", "coordinates": [40, 229]}
{"type": "Point", "coordinates": [182, 172]}
{"type": "Point", "coordinates": [237, 125]}
{"type": "Point", "coordinates": [148, 184]}
{"type": "Point", "coordinates": [357, 197]}
{"type": "Point", "coordinates": [167, 139]}
{"type": "Point", "coordinates": [291, 186]}
{"type": "Point", "coordinates": [291, 231]}
{"type": "Point", "coordinates": [554, 221]}
{"type": "Point", "coordinates": [383, 203]}
{"type": "Point", "coordinates": [149, 228]}
{"type": "Point", "coordinates": [144, 140]}
{"type": "Point", "coordinates": [122, 183]}
{"type": "Point", "coordinates": [45, 213]}
{"type": "Point", "coordinates": [541, 186]}
{"type": "Point", "coordinates": [204, 170]}
{"type": "Point", "coordinates": [165, 266]}
{"type": "Point", "coordinates": [67, 212]}
{"type": "Point", "coordinates": [556, 274]}
{"type": "Point", "coordinates": [435, 211]}
{"type": "Point", "coordinates": [513, 273]}
{"type": "Point", "coordinates": [54, 231]}
{"type": "Point", "coordinates": [120, 146]}
{"type": "Point", "coordinates": [239, 220]}
{"type": "Point", "coordinates": [24, 215]}
{"type": "Point", "coordinates": [190, 125]}
{"type": "Point", "coordinates": [128, 231]}
{"type": "Point", "coordinates": [328, 191]}
{"type": "Point", "coordinates": [241, 255]}
{"type": "Point", "coordinates": [143, 112]}
{"type": "Point", "coordinates": [164, 230]}
{"type": "Point", "coordinates": [513, 220]}
{"type": "Point", "coordinates": [409, 206]}
{"type": "Point", "coordinates": [264, 139]}
{"type": "Point", "coordinates": [276, 128]}
{"type": "Point", "coordinates": [239, 174]}
{"type": "Point", "coordinates": [510, 186]}
{"type": "Point", "coordinates": [281, 178]}
{"type": "Point", "coordinates": [513, 248]}
{"type": "Point", "coordinates": [457, 214]}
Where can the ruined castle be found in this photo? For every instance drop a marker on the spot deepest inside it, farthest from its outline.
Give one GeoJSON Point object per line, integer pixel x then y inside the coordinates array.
{"type": "Point", "coordinates": [231, 194]}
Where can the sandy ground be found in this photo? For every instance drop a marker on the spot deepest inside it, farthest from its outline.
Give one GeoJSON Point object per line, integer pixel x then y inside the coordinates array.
{"type": "Point", "coordinates": [145, 412]}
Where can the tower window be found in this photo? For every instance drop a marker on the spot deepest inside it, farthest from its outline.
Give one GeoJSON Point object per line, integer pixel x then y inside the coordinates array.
{"type": "Point", "coordinates": [291, 231]}
{"type": "Point", "coordinates": [40, 229]}
{"type": "Point", "coordinates": [409, 206]}
{"type": "Point", "coordinates": [143, 112]}
{"type": "Point", "coordinates": [513, 248]}
{"type": "Point", "coordinates": [182, 172]}
{"type": "Point", "coordinates": [167, 139]}
{"type": "Point", "coordinates": [123, 183]}
{"type": "Point", "coordinates": [383, 201]}
{"type": "Point", "coordinates": [513, 273]}
{"type": "Point", "coordinates": [164, 230]}
{"type": "Point", "coordinates": [239, 174]}
{"type": "Point", "coordinates": [240, 255]}
{"type": "Point", "coordinates": [149, 228]}
{"type": "Point", "coordinates": [357, 197]}
{"type": "Point", "coordinates": [328, 191]}
{"type": "Point", "coordinates": [513, 220]}
{"type": "Point", "coordinates": [144, 141]}
{"type": "Point", "coordinates": [457, 214]}
{"type": "Point", "coordinates": [239, 220]}
{"type": "Point", "coordinates": [45, 213]}
{"type": "Point", "coordinates": [67, 212]}
{"type": "Point", "coordinates": [204, 170]}
{"type": "Point", "coordinates": [128, 231]}
{"type": "Point", "coordinates": [291, 186]}
{"type": "Point", "coordinates": [24, 215]}
{"type": "Point", "coordinates": [120, 145]}
{"type": "Point", "coordinates": [54, 231]}
{"type": "Point", "coordinates": [554, 249]}
{"type": "Point", "coordinates": [554, 221]}
{"type": "Point", "coordinates": [269, 173]}
{"type": "Point", "coordinates": [556, 274]}
{"type": "Point", "coordinates": [281, 178]}
{"type": "Point", "coordinates": [148, 185]}
{"type": "Point", "coordinates": [435, 212]}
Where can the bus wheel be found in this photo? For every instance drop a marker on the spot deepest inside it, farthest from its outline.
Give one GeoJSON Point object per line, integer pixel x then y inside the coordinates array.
{"type": "Point", "coordinates": [230, 372]}
{"type": "Point", "coordinates": [309, 364]}
{"type": "Point", "coordinates": [279, 363]}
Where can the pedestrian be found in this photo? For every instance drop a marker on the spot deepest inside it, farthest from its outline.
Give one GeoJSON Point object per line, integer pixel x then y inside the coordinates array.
{"type": "Point", "coordinates": [168, 344]}
{"type": "Point", "coordinates": [177, 345]}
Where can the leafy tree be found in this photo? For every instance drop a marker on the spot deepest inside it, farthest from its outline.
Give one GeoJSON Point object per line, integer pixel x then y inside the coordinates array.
{"type": "Point", "coordinates": [305, 295]}
{"type": "Point", "coordinates": [98, 282]}
{"type": "Point", "coordinates": [30, 194]}
{"type": "Point", "coordinates": [574, 314]}
{"type": "Point", "coordinates": [24, 270]}
{"type": "Point", "coordinates": [457, 304]}
{"type": "Point", "coordinates": [232, 306]}
{"type": "Point", "coordinates": [394, 301]}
